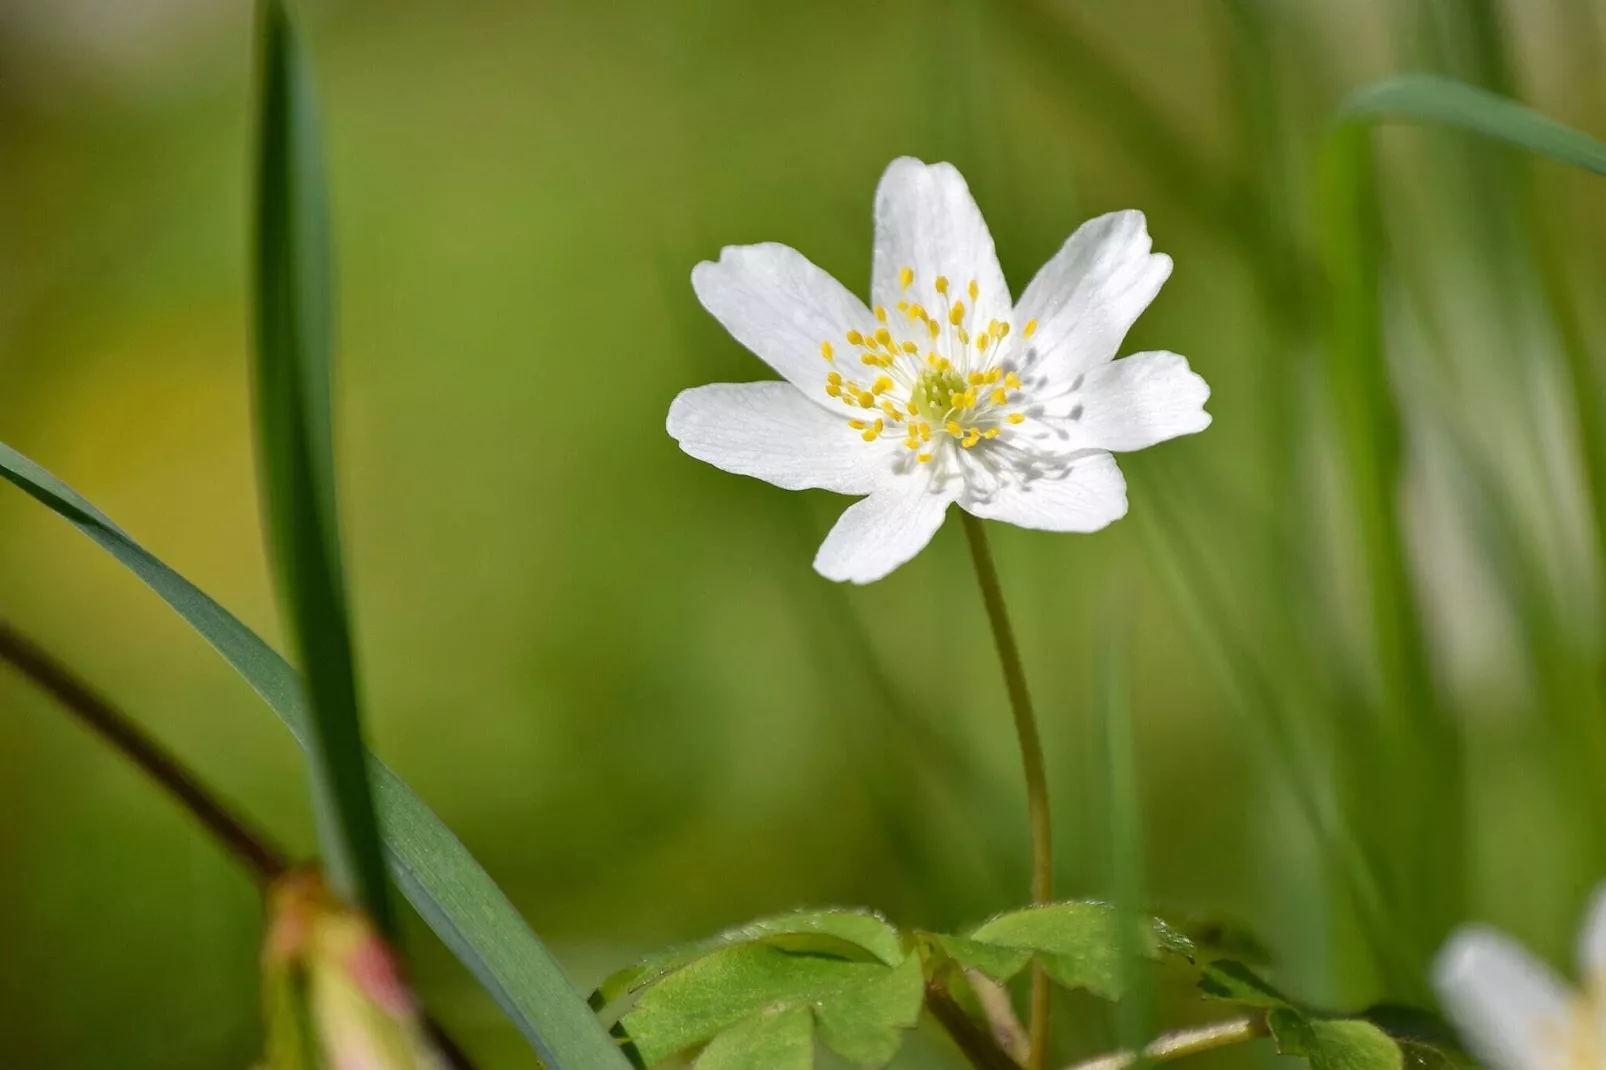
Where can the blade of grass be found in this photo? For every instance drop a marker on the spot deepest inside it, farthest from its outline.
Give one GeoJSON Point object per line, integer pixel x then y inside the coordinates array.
{"type": "Point", "coordinates": [1417, 752]}
{"type": "Point", "coordinates": [450, 890]}
{"type": "Point", "coordinates": [296, 455]}
{"type": "Point", "coordinates": [1135, 1011]}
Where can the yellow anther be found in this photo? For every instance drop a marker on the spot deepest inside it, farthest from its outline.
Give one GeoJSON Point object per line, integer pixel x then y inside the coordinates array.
{"type": "Point", "coordinates": [883, 335]}
{"type": "Point", "coordinates": [866, 399]}
{"type": "Point", "coordinates": [924, 458]}
{"type": "Point", "coordinates": [964, 336]}
{"type": "Point", "coordinates": [972, 289]}
{"type": "Point", "coordinates": [880, 315]}
{"type": "Point", "coordinates": [825, 350]}
{"type": "Point", "coordinates": [942, 284]}
{"type": "Point", "coordinates": [917, 312]}
{"type": "Point", "coordinates": [1000, 396]}
{"type": "Point", "coordinates": [993, 375]}
{"type": "Point", "coordinates": [956, 315]}
{"type": "Point", "coordinates": [1003, 330]}
{"type": "Point", "coordinates": [970, 398]}
{"type": "Point", "coordinates": [855, 338]}
{"type": "Point", "coordinates": [911, 443]}
{"type": "Point", "coordinates": [892, 411]}
{"type": "Point", "coordinates": [905, 277]}
{"type": "Point", "coordinates": [1012, 381]}
{"type": "Point", "coordinates": [944, 364]}
{"type": "Point", "coordinates": [976, 378]}
{"type": "Point", "coordinates": [871, 435]}
{"type": "Point", "coordinates": [925, 432]}
{"type": "Point", "coordinates": [982, 342]}
{"type": "Point", "coordinates": [834, 389]}
{"type": "Point", "coordinates": [931, 325]}
{"type": "Point", "coordinates": [931, 359]}
{"type": "Point", "coordinates": [871, 359]}
{"type": "Point", "coordinates": [956, 401]}
{"type": "Point", "coordinates": [1031, 328]}
{"type": "Point", "coordinates": [953, 428]}
{"type": "Point", "coordinates": [857, 425]}
{"type": "Point", "coordinates": [1016, 418]}
{"type": "Point", "coordinates": [834, 377]}
{"type": "Point", "coordinates": [910, 347]}
{"type": "Point", "coordinates": [967, 443]}
{"type": "Point", "coordinates": [882, 384]}
{"type": "Point", "coordinates": [903, 306]}
{"type": "Point", "coordinates": [992, 326]}
{"type": "Point", "coordinates": [991, 432]}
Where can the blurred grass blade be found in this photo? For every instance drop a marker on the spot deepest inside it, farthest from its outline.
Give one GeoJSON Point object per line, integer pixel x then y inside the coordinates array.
{"type": "Point", "coordinates": [1446, 102]}
{"type": "Point", "coordinates": [296, 456]}
{"type": "Point", "coordinates": [451, 892]}
{"type": "Point", "coordinates": [1134, 1012]}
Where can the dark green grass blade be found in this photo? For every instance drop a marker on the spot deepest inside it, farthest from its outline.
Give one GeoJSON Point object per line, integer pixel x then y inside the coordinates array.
{"type": "Point", "coordinates": [451, 892]}
{"type": "Point", "coordinates": [1424, 98]}
{"type": "Point", "coordinates": [296, 457]}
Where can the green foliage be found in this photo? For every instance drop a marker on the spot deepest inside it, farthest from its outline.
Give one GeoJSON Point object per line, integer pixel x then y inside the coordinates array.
{"type": "Point", "coordinates": [1384, 1041]}
{"type": "Point", "coordinates": [440, 878]}
{"type": "Point", "coordinates": [1334, 1044]}
{"type": "Point", "coordinates": [762, 991]}
{"type": "Point", "coordinates": [295, 439]}
{"type": "Point", "coordinates": [1078, 944]}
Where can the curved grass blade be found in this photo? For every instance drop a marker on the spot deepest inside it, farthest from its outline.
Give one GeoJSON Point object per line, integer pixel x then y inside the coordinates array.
{"type": "Point", "coordinates": [1446, 102]}
{"type": "Point", "coordinates": [435, 872]}
{"type": "Point", "coordinates": [296, 456]}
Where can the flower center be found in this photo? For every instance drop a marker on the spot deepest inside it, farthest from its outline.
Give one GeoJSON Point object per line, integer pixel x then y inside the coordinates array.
{"type": "Point", "coordinates": [941, 379]}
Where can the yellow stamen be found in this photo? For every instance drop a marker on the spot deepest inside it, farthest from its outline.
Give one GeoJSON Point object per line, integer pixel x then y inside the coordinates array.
{"type": "Point", "coordinates": [942, 284]}
{"type": "Point", "coordinates": [1031, 328]}
{"type": "Point", "coordinates": [857, 425]}
{"type": "Point", "coordinates": [1000, 396]}
{"type": "Point", "coordinates": [976, 378]}
{"type": "Point", "coordinates": [882, 384]}
{"type": "Point", "coordinates": [956, 315]}
{"type": "Point", "coordinates": [1016, 418]}
{"type": "Point", "coordinates": [905, 277]}
{"type": "Point", "coordinates": [953, 428]}
{"type": "Point", "coordinates": [825, 350]}
{"type": "Point", "coordinates": [881, 315]}
{"type": "Point", "coordinates": [991, 432]}
{"type": "Point", "coordinates": [855, 338]}
{"type": "Point", "coordinates": [972, 289]}
{"type": "Point", "coordinates": [924, 458]}
{"type": "Point", "coordinates": [1012, 381]}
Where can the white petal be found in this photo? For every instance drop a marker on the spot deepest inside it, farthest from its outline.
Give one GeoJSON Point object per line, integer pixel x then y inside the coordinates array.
{"type": "Point", "coordinates": [1512, 1010]}
{"type": "Point", "coordinates": [1084, 495]}
{"type": "Point", "coordinates": [926, 220]}
{"type": "Point", "coordinates": [876, 535]}
{"type": "Point", "coordinates": [1088, 296]}
{"type": "Point", "coordinates": [770, 431]}
{"type": "Point", "coordinates": [1128, 404]}
{"type": "Point", "coordinates": [779, 305]}
{"type": "Point", "coordinates": [1592, 941]}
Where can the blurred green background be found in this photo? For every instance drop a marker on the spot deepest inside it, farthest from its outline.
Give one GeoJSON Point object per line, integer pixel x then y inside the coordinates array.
{"type": "Point", "coordinates": [611, 669]}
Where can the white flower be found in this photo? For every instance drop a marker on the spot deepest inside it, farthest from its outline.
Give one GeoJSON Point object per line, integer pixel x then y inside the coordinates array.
{"type": "Point", "coordinates": [1514, 1012]}
{"type": "Point", "coordinates": [944, 392]}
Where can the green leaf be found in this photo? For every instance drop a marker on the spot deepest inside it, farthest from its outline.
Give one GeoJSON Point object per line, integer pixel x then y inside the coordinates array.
{"type": "Point", "coordinates": [783, 1040]}
{"type": "Point", "coordinates": [1329, 1044]}
{"type": "Point", "coordinates": [1078, 943]}
{"type": "Point", "coordinates": [849, 934]}
{"type": "Point", "coordinates": [295, 448]}
{"type": "Point", "coordinates": [1226, 979]}
{"type": "Point", "coordinates": [860, 1005]}
{"type": "Point", "coordinates": [1427, 98]}
{"type": "Point", "coordinates": [449, 889]}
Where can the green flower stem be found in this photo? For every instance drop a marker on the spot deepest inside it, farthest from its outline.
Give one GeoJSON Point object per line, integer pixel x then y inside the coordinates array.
{"type": "Point", "coordinates": [1184, 1042]}
{"type": "Point", "coordinates": [1031, 752]}
{"type": "Point", "coordinates": [265, 861]}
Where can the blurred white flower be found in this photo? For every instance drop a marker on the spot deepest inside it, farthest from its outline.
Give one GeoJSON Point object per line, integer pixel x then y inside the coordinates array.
{"type": "Point", "coordinates": [943, 392]}
{"type": "Point", "coordinates": [1514, 1012]}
